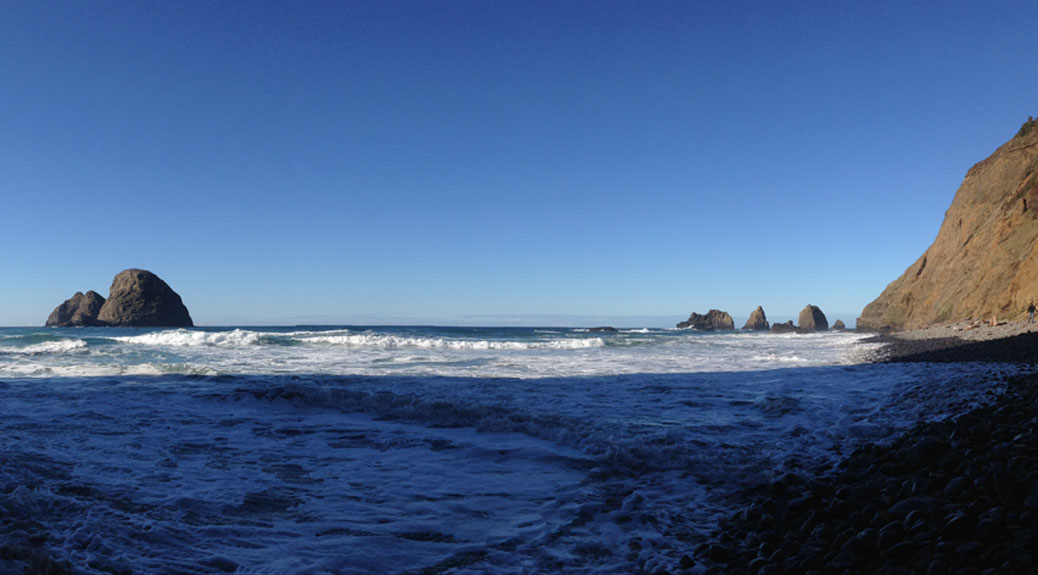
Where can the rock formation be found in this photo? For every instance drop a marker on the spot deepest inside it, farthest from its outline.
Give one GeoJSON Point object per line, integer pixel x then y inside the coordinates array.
{"type": "Point", "coordinates": [812, 319]}
{"type": "Point", "coordinates": [758, 321]}
{"type": "Point", "coordinates": [839, 325]}
{"type": "Point", "coordinates": [78, 311]}
{"type": "Point", "coordinates": [984, 261]}
{"type": "Point", "coordinates": [787, 327]}
{"type": "Point", "coordinates": [139, 298]}
{"type": "Point", "coordinates": [603, 329]}
{"type": "Point", "coordinates": [714, 320]}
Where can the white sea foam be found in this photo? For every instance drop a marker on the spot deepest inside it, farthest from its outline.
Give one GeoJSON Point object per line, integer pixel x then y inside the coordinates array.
{"type": "Point", "coordinates": [46, 347]}
{"type": "Point", "coordinates": [393, 341]}
{"type": "Point", "coordinates": [193, 338]}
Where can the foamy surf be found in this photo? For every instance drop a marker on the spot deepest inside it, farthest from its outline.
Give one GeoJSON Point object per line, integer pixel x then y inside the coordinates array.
{"type": "Point", "coordinates": [454, 352]}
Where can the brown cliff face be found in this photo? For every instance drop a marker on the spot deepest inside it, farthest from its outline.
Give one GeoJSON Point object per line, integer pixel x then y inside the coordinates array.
{"type": "Point", "coordinates": [984, 261]}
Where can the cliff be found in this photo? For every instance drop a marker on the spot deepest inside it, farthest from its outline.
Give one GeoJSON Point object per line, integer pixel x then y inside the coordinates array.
{"type": "Point", "coordinates": [984, 261]}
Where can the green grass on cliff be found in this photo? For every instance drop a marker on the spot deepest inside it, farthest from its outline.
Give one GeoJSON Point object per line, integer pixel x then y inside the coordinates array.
{"type": "Point", "coordinates": [1027, 127]}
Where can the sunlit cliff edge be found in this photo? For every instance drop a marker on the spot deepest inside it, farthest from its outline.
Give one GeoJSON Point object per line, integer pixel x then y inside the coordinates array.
{"type": "Point", "coordinates": [984, 261]}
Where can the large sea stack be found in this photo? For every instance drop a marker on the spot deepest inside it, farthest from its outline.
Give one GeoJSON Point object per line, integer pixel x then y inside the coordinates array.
{"type": "Point", "coordinates": [757, 321]}
{"type": "Point", "coordinates": [984, 261]}
{"type": "Point", "coordinates": [714, 320]}
{"type": "Point", "coordinates": [139, 298]}
{"type": "Point", "coordinates": [811, 319]}
{"type": "Point", "coordinates": [79, 310]}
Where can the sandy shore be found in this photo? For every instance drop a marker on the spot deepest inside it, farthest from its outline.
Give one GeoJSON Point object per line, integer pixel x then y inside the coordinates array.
{"type": "Point", "coordinates": [953, 497]}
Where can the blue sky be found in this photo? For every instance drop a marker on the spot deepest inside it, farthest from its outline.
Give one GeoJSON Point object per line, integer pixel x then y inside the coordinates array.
{"type": "Point", "coordinates": [493, 162]}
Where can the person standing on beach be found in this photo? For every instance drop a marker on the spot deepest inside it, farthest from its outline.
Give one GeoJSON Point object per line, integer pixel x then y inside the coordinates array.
{"type": "Point", "coordinates": [1030, 312]}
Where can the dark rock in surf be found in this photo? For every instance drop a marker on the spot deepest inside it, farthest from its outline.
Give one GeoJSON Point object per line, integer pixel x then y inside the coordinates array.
{"type": "Point", "coordinates": [758, 321]}
{"type": "Point", "coordinates": [139, 298]}
{"type": "Point", "coordinates": [78, 311]}
{"type": "Point", "coordinates": [603, 329]}
{"type": "Point", "coordinates": [812, 319]}
{"type": "Point", "coordinates": [714, 320]}
{"type": "Point", "coordinates": [786, 327]}
{"type": "Point", "coordinates": [839, 325]}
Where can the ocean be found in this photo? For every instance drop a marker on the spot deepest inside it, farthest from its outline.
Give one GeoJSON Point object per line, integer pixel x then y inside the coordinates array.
{"type": "Point", "coordinates": [369, 450]}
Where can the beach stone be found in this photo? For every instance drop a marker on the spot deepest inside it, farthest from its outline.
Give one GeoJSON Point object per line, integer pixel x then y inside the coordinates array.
{"type": "Point", "coordinates": [925, 450]}
{"type": "Point", "coordinates": [757, 321]}
{"type": "Point", "coordinates": [139, 298]}
{"type": "Point", "coordinates": [714, 320]}
{"type": "Point", "coordinates": [812, 319]}
{"type": "Point", "coordinates": [78, 311]}
{"type": "Point", "coordinates": [1032, 496]}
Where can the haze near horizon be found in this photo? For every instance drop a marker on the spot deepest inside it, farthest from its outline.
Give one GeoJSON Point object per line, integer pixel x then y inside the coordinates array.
{"type": "Point", "coordinates": [470, 162]}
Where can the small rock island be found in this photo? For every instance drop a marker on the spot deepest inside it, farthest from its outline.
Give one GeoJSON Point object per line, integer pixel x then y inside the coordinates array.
{"type": "Point", "coordinates": [137, 298]}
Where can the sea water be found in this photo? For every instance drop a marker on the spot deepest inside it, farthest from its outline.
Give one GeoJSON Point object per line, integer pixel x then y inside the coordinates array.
{"type": "Point", "coordinates": [355, 450]}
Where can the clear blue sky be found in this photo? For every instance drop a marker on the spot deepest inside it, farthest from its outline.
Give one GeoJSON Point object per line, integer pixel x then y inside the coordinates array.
{"type": "Point", "coordinates": [483, 162]}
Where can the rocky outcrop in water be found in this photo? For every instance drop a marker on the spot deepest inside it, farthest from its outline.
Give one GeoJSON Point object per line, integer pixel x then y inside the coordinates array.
{"type": "Point", "coordinates": [757, 321]}
{"type": "Point", "coordinates": [78, 311]}
{"type": "Point", "coordinates": [714, 320]}
{"type": "Point", "coordinates": [984, 261]}
{"type": "Point", "coordinates": [812, 319]}
{"type": "Point", "coordinates": [786, 327]}
{"type": "Point", "coordinates": [839, 325]}
{"type": "Point", "coordinates": [139, 298]}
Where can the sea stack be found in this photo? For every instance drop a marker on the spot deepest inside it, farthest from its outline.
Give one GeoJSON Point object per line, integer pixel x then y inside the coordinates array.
{"type": "Point", "coordinates": [78, 311]}
{"type": "Point", "coordinates": [139, 298]}
{"type": "Point", "coordinates": [839, 325]}
{"type": "Point", "coordinates": [786, 327]}
{"type": "Point", "coordinates": [757, 322]}
{"type": "Point", "coordinates": [812, 319]}
{"type": "Point", "coordinates": [984, 260]}
{"type": "Point", "coordinates": [714, 320]}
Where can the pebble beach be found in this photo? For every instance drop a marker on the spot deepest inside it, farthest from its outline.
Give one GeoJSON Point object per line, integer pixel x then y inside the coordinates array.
{"type": "Point", "coordinates": [959, 496]}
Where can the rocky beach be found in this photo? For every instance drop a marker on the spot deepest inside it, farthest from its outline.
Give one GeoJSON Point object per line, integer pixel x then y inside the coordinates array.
{"type": "Point", "coordinates": [958, 496]}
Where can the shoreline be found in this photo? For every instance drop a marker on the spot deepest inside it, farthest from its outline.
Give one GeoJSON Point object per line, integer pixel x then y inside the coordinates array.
{"type": "Point", "coordinates": [958, 496]}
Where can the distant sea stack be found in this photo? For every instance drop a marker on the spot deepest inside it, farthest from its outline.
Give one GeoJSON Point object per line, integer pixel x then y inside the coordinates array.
{"type": "Point", "coordinates": [714, 320]}
{"type": "Point", "coordinates": [78, 311]}
{"type": "Point", "coordinates": [812, 319]}
{"type": "Point", "coordinates": [138, 298]}
{"type": "Point", "coordinates": [787, 327]}
{"type": "Point", "coordinates": [757, 322]}
{"type": "Point", "coordinates": [984, 261]}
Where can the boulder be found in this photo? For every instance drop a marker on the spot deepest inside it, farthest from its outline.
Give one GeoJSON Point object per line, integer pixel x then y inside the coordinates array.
{"type": "Point", "coordinates": [714, 320]}
{"type": "Point", "coordinates": [78, 311]}
{"type": "Point", "coordinates": [839, 325]}
{"type": "Point", "coordinates": [603, 329]}
{"type": "Point", "coordinates": [139, 298]}
{"type": "Point", "coordinates": [758, 321]}
{"type": "Point", "coordinates": [787, 327]}
{"type": "Point", "coordinates": [812, 319]}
